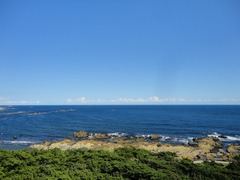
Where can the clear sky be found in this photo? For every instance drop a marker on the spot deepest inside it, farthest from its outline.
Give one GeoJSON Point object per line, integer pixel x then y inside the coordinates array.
{"type": "Point", "coordinates": [120, 52]}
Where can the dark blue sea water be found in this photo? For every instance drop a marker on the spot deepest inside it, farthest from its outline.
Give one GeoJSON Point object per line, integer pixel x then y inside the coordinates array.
{"type": "Point", "coordinates": [33, 124]}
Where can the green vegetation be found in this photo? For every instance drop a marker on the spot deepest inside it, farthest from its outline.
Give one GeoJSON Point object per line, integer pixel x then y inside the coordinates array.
{"type": "Point", "coordinates": [123, 163]}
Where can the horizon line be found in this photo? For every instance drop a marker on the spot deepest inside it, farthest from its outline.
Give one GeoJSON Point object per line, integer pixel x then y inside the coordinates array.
{"type": "Point", "coordinates": [119, 104]}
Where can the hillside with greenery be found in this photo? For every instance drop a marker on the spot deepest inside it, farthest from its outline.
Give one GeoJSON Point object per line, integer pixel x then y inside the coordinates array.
{"type": "Point", "coordinates": [121, 164]}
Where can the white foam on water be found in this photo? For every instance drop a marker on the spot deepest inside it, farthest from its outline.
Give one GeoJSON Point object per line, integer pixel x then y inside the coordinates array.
{"type": "Point", "coordinates": [166, 138]}
{"type": "Point", "coordinates": [142, 135]}
{"type": "Point", "coordinates": [113, 134]}
{"type": "Point", "coordinates": [228, 138]}
{"type": "Point", "coordinates": [15, 113]}
{"type": "Point", "coordinates": [64, 110]}
{"type": "Point", "coordinates": [185, 140]}
{"type": "Point", "coordinates": [215, 134]}
{"type": "Point", "coordinates": [37, 113]}
{"type": "Point", "coordinates": [18, 142]}
{"type": "Point", "coordinates": [117, 134]}
{"type": "Point", "coordinates": [31, 113]}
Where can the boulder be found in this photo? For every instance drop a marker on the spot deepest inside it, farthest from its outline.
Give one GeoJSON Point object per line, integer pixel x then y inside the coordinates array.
{"type": "Point", "coordinates": [101, 136]}
{"type": "Point", "coordinates": [206, 144]}
{"type": "Point", "coordinates": [193, 144]}
{"type": "Point", "coordinates": [223, 136]}
{"type": "Point", "coordinates": [215, 139]}
{"type": "Point", "coordinates": [233, 148]}
{"type": "Point", "coordinates": [155, 137]}
{"type": "Point", "coordinates": [194, 139]}
{"type": "Point", "coordinates": [69, 137]}
{"type": "Point", "coordinates": [81, 134]}
{"type": "Point", "coordinates": [221, 151]}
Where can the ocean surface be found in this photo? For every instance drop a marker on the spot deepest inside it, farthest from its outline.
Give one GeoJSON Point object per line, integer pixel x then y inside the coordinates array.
{"type": "Point", "coordinates": [25, 125]}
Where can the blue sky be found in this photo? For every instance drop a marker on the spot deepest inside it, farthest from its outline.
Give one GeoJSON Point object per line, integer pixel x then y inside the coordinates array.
{"type": "Point", "coordinates": [120, 52]}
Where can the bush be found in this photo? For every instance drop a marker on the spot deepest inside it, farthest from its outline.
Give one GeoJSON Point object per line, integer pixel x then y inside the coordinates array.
{"type": "Point", "coordinates": [123, 163]}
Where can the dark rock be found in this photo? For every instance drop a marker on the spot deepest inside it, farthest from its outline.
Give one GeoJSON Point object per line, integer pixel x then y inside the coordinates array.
{"type": "Point", "coordinates": [69, 137]}
{"type": "Point", "coordinates": [169, 139]}
{"type": "Point", "coordinates": [193, 144]}
{"type": "Point", "coordinates": [214, 150]}
{"type": "Point", "coordinates": [194, 139]}
{"type": "Point", "coordinates": [219, 144]}
{"type": "Point", "coordinates": [215, 139]}
{"type": "Point", "coordinates": [198, 156]}
{"type": "Point", "coordinates": [222, 136]}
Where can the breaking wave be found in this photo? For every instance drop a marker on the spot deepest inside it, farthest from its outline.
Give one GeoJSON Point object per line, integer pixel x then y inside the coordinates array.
{"type": "Point", "coordinates": [222, 137]}
{"type": "Point", "coordinates": [30, 113]}
{"type": "Point", "coordinates": [15, 142]}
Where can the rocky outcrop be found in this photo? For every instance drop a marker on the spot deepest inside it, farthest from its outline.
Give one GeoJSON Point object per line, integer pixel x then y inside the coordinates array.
{"type": "Point", "coordinates": [155, 137]}
{"type": "Point", "coordinates": [234, 148]}
{"type": "Point", "coordinates": [101, 136]}
{"type": "Point", "coordinates": [85, 135]}
{"type": "Point", "coordinates": [206, 149]}
{"type": "Point", "coordinates": [81, 134]}
{"type": "Point", "coordinates": [222, 136]}
{"type": "Point", "coordinates": [64, 145]}
{"type": "Point", "coordinates": [207, 144]}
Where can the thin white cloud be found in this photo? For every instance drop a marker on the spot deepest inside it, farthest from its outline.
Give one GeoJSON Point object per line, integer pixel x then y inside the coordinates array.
{"type": "Point", "coordinates": [84, 100]}
{"type": "Point", "coordinates": [69, 100]}
{"type": "Point", "coordinates": [150, 100]}
{"type": "Point", "coordinates": [6, 101]}
{"type": "Point", "coordinates": [124, 100]}
{"type": "Point", "coordinates": [81, 100]}
{"type": "Point", "coordinates": [154, 99]}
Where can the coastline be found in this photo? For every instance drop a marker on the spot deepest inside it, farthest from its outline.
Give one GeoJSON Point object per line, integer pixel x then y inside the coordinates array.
{"type": "Point", "coordinates": [200, 149]}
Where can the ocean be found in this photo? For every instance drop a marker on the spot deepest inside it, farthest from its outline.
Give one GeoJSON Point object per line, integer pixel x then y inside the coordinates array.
{"type": "Point", "coordinates": [25, 125]}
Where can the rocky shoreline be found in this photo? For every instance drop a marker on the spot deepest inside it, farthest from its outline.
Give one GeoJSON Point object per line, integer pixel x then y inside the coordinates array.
{"type": "Point", "coordinates": [200, 149]}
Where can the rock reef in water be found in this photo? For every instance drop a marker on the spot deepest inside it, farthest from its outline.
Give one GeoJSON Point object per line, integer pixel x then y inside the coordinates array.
{"type": "Point", "coordinates": [206, 148]}
{"type": "Point", "coordinates": [86, 135]}
{"type": "Point", "coordinates": [155, 137]}
{"type": "Point", "coordinates": [81, 134]}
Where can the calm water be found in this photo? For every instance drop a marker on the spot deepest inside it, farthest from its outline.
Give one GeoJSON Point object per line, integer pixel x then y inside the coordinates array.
{"type": "Point", "coordinates": [32, 124]}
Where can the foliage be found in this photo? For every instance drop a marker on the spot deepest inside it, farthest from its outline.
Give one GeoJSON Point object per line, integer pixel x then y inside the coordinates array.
{"type": "Point", "coordinates": [123, 163]}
